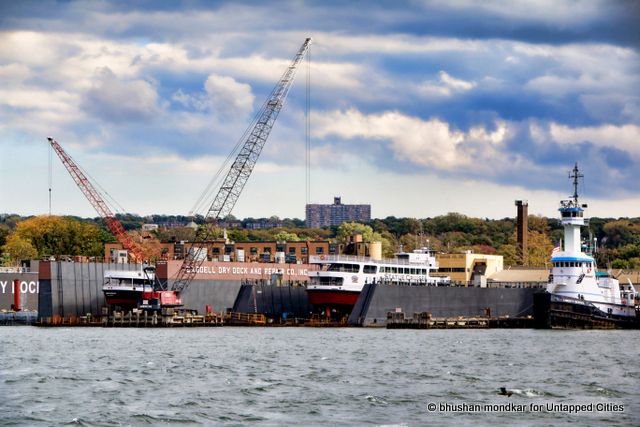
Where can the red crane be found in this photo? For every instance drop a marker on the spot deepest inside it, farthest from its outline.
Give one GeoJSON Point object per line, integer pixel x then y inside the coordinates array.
{"type": "Point", "coordinates": [115, 227]}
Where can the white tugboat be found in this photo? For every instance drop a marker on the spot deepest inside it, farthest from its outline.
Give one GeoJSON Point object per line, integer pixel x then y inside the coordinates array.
{"type": "Point", "coordinates": [578, 295]}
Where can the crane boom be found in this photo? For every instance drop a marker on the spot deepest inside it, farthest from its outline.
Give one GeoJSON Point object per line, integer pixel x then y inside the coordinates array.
{"type": "Point", "coordinates": [244, 163]}
{"type": "Point", "coordinates": [114, 226]}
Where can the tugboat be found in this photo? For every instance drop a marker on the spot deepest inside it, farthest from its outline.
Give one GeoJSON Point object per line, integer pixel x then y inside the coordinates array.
{"type": "Point", "coordinates": [577, 294]}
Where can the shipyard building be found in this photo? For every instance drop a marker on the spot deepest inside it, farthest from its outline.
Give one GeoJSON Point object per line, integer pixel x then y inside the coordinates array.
{"type": "Point", "coordinates": [318, 216]}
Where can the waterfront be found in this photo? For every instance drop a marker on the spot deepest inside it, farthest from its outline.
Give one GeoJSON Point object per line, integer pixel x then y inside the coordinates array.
{"type": "Point", "coordinates": [276, 376]}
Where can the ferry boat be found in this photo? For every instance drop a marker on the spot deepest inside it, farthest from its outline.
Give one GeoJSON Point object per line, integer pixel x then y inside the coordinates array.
{"type": "Point", "coordinates": [340, 279]}
{"type": "Point", "coordinates": [136, 289]}
{"type": "Point", "coordinates": [577, 294]}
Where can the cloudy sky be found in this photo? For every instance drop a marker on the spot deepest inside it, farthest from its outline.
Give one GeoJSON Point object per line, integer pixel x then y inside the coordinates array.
{"type": "Point", "coordinates": [419, 108]}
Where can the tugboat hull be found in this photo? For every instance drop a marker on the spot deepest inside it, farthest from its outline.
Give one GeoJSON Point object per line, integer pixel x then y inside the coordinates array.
{"type": "Point", "coordinates": [554, 311]}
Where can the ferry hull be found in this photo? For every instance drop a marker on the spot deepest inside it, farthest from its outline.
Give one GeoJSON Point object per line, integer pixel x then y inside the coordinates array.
{"type": "Point", "coordinates": [122, 298]}
{"type": "Point", "coordinates": [553, 311]}
{"type": "Point", "coordinates": [329, 298]}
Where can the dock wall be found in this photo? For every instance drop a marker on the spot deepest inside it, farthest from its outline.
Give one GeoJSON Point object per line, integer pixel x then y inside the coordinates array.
{"type": "Point", "coordinates": [28, 288]}
{"type": "Point", "coordinates": [273, 301]}
{"type": "Point", "coordinates": [376, 300]}
{"type": "Point", "coordinates": [73, 288]}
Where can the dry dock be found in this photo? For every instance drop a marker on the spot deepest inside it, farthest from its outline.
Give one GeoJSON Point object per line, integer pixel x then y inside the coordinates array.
{"type": "Point", "coordinates": [398, 320]}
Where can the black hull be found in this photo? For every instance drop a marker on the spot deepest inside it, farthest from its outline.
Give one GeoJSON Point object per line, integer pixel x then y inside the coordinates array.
{"type": "Point", "coordinates": [551, 311]}
{"type": "Point", "coordinates": [377, 300]}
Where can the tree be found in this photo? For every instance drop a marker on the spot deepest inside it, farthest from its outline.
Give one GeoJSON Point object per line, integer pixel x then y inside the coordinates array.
{"type": "Point", "coordinates": [19, 249]}
{"type": "Point", "coordinates": [348, 229]}
{"type": "Point", "coordinates": [56, 235]}
{"type": "Point", "coordinates": [286, 236]}
{"type": "Point", "coordinates": [540, 248]}
{"type": "Point", "coordinates": [621, 233]}
{"type": "Point", "coordinates": [509, 254]}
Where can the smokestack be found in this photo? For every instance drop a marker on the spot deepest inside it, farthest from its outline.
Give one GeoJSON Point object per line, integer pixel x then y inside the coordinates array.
{"type": "Point", "coordinates": [522, 229]}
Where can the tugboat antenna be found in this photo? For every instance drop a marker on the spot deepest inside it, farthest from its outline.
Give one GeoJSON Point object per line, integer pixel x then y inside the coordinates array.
{"type": "Point", "coordinates": [575, 175]}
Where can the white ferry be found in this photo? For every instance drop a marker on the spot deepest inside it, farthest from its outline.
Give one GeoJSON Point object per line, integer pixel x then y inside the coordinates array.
{"type": "Point", "coordinates": [578, 295]}
{"type": "Point", "coordinates": [342, 277]}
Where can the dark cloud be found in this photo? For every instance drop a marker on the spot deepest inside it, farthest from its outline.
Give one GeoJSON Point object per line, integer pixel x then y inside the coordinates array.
{"type": "Point", "coordinates": [570, 22]}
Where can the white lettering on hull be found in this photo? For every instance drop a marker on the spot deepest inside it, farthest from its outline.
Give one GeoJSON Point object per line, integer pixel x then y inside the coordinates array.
{"type": "Point", "coordinates": [248, 271]}
{"type": "Point", "coordinates": [25, 287]}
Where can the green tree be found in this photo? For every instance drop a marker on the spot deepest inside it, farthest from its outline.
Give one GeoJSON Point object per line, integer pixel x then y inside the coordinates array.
{"type": "Point", "coordinates": [348, 229]}
{"type": "Point", "coordinates": [287, 236]}
{"type": "Point", "coordinates": [620, 233]}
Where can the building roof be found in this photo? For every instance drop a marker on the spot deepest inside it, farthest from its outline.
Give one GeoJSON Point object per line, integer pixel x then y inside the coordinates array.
{"type": "Point", "coordinates": [521, 275]}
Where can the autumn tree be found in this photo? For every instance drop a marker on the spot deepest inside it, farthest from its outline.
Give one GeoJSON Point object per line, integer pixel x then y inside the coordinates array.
{"type": "Point", "coordinates": [56, 235]}
{"type": "Point", "coordinates": [17, 249]}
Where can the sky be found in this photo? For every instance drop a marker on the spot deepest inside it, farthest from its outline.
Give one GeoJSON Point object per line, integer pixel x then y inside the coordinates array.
{"type": "Point", "coordinates": [418, 108]}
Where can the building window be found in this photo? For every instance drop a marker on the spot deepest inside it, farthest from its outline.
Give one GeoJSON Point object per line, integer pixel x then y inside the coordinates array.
{"type": "Point", "coordinates": [266, 250]}
{"type": "Point", "coordinates": [303, 250]}
{"type": "Point", "coordinates": [215, 250]}
{"type": "Point", "coordinates": [319, 250]}
{"type": "Point", "coordinates": [253, 250]}
{"type": "Point", "coordinates": [292, 250]}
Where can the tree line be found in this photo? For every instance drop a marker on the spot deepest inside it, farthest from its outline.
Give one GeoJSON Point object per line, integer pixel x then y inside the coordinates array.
{"type": "Point", "coordinates": [618, 240]}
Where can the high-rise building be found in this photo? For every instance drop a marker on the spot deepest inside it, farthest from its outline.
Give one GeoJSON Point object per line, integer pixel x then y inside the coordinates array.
{"type": "Point", "coordinates": [327, 215]}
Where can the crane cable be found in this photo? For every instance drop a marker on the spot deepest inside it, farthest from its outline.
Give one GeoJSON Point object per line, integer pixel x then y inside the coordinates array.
{"type": "Point", "coordinates": [308, 129]}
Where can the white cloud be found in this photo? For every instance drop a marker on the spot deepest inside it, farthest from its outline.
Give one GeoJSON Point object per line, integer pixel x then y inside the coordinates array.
{"type": "Point", "coordinates": [447, 86]}
{"type": "Point", "coordinates": [227, 96]}
{"type": "Point", "coordinates": [455, 84]}
{"type": "Point", "coordinates": [626, 137]}
{"type": "Point", "coordinates": [13, 73]}
{"type": "Point", "coordinates": [429, 143]}
{"type": "Point", "coordinates": [119, 100]}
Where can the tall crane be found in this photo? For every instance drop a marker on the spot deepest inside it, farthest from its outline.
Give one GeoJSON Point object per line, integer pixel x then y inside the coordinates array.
{"type": "Point", "coordinates": [241, 168]}
{"type": "Point", "coordinates": [114, 226]}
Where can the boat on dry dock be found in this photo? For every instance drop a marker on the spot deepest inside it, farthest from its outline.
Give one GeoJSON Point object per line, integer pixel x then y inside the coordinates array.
{"type": "Point", "coordinates": [340, 279]}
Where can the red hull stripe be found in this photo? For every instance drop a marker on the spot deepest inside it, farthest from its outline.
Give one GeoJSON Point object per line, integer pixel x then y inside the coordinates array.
{"type": "Point", "coordinates": [317, 297]}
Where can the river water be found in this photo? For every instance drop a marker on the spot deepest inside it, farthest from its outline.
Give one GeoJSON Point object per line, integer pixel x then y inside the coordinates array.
{"type": "Point", "coordinates": [308, 376]}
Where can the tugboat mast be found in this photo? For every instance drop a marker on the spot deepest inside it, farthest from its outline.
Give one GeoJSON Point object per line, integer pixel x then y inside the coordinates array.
{"type": "Point", "coordinates": [575, 175]}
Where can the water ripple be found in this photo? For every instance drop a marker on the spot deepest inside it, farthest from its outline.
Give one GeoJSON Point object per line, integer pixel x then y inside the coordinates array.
{"type": "Point", "coordinates": [285, 376]}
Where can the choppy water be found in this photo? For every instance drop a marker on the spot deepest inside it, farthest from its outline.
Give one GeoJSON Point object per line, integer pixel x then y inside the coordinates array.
{"type": "Point", "coordinates": [306, 376]}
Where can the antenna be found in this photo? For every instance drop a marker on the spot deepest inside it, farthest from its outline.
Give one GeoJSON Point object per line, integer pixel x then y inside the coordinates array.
{"type": "Point", "coordinates": [50, 175]}
{"type": "Point", "coordinates": [575, 175]}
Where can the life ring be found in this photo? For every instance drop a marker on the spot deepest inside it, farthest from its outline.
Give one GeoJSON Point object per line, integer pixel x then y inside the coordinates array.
{"type": "Point", "coordinates": [321, 256]}
{"type": "Point", "coordinates": [624, 302]}
{"type": "Point", "coordinates": [589, 270]}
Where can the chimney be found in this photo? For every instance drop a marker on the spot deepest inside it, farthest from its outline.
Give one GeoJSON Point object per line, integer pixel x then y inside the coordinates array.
{"type": "Point", "coordinates": [522, 229]}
